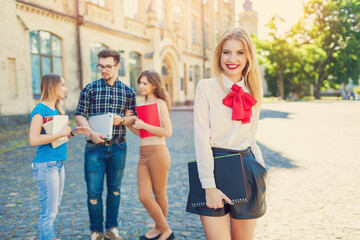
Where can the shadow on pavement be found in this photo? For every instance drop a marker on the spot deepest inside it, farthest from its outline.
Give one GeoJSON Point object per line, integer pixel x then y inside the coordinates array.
{"type": "Point", "coordinates": [272, 114]}
{"type": "Point", "coordinates": [275, 159]}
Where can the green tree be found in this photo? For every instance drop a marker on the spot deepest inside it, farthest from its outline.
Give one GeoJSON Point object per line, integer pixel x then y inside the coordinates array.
{"type": "Point", "coordinates": [286, 66]}
{"type": "Point", "coordinates": [333, 27]}
{"type": "Point", "coordinates": [274, 56]}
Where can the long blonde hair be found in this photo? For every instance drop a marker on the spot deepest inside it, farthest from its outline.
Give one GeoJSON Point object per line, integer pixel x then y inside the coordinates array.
{"type": "Point", "coordinates": [251, 72]}
{"type": "Point", "coordinates": [49, 83]}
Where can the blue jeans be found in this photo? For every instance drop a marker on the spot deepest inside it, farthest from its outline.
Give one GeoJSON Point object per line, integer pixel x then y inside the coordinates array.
{"type": "Point", "coordinates": [50, 178]}
{"type": "Point", "coordinates": [101, 160]}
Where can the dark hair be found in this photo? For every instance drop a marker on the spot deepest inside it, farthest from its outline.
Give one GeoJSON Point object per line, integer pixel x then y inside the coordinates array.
{"type": "Point", "coordinates": [108, 52]}
{"type": "Point", "coordinates": [154, 78]}
{"type": "Point", "coordinates": [49, 83]}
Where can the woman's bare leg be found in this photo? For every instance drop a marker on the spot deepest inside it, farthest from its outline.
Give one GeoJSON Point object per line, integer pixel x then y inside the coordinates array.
{"type": "Point", "coordinates": [242, 229]}
{"type": "Point", "coordinates": [216, 228]}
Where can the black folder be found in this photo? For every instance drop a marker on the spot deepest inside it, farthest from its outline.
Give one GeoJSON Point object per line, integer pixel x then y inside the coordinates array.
{"type": "Point", "coordinates": [229, 178]}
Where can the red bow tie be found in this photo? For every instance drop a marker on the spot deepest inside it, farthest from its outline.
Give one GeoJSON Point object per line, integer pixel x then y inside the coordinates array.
{"type": "Point", "coordinates": [241, 103]}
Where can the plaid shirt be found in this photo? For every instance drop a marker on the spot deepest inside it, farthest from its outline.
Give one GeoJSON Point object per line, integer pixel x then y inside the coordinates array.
{"type": "Point", "coordinates": [99, 98]}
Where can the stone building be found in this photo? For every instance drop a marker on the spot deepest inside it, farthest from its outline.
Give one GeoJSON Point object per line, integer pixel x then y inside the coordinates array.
{"type": "Point", "coordinates": [174, 37]}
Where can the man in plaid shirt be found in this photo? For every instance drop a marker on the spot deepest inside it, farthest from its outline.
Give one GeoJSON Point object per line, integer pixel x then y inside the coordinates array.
{"type": "Point", "coordinates": [106, 95]}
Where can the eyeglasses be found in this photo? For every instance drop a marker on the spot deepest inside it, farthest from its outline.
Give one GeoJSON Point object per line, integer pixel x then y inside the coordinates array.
{"type": "Point", "coordinates": [107, 67]}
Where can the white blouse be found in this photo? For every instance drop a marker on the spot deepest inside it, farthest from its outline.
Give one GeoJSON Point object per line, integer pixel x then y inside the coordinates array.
{"type": "Point", "coordinates": [213, 127]}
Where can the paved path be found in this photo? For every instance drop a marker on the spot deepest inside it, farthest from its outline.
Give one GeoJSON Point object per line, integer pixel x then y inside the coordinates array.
{"type": "Point", "coordinates": [313, 186]}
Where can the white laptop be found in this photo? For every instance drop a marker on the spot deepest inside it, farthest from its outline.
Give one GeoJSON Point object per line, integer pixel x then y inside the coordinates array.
{"type": "Point", "coordinates": [102, 124]}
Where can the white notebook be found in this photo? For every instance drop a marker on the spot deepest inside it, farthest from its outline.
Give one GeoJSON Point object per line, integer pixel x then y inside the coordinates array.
{"type": "Point", "coordinates": [56, 125]}
{"type": "Point", "coordinates": [102, 124]}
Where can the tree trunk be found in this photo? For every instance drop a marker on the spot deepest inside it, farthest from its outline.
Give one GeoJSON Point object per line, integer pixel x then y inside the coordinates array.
{"type": "Point", "coordinates": [317, 87]}
{"type": "Point", "coordinates": [281, 84]}
{"type": "Point", "coordinates": [320, 78]}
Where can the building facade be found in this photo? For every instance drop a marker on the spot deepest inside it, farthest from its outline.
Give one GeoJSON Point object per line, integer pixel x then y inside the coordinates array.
{"type": "Point", "coordinates": [174, 37]}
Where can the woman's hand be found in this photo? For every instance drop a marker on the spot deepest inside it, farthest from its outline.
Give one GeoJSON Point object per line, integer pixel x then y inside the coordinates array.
{"type": "Point", "coordinates": [129, 113]}
{"type": "Point", "coordinates": [215, 197]}
{"type": "Point", "coordinates": [82, 130]}
{"type": "Point", "coordinates": [139, 124]}
{"type": "Point", "coordinates": [66, 130]}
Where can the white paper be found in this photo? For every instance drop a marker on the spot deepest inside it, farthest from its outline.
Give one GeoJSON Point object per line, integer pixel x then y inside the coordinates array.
{"type": "Point", "coordinates": [57, 126]}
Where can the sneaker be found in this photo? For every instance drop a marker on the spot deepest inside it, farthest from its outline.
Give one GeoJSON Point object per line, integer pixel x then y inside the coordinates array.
{"type": "Point", "coordinates": [113, 234]}
{"type": "Point", "coordinates": [97, 236]}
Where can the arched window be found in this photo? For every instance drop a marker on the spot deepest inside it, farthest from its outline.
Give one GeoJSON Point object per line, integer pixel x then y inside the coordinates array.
{"type": "Point", "coordinates": [134, 69]}
{"type": "Point", "coordinates": [197, 74]}
{"type": "Point", "coordinates": [208, 73]}
{"type": "Point", "coordinates": [94, 60]}
{"type": "Point", "coordinates": [46, 57]}
{"type": "Point", "coordinates": [131, 10]}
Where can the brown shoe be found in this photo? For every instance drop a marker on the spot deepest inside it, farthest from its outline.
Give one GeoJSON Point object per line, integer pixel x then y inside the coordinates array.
{"type": "Point", "coordinates": [97, 236]}
{"type": "Point", "coordinates": [113, 234]}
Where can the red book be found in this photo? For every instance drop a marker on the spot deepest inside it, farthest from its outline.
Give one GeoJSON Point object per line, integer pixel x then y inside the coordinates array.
{"type": "Point", "coordinates": [149, 113]}
{"type": "Point", "coordinates": [48, 119]}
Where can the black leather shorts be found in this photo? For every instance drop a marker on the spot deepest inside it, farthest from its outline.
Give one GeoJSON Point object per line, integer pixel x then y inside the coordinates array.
{"type": "Point", "coordinates": [255, 175]}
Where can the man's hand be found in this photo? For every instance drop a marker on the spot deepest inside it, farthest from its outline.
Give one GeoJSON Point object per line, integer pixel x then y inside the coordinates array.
{"type": "Point", "coordinates": [129, 113]}
{"type": "Point", "coordinates": [117, 120]}
{"type": "Point", "coordinates": [97, 137]}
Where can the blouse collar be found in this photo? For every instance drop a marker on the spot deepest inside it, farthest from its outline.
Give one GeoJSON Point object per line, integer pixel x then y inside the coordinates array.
{"type": "Point", "coordinates": [228, 83]}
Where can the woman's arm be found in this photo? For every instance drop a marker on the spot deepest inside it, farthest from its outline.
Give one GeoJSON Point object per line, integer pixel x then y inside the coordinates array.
{"type": "Point", "coordinates": [165, 130]}
{"type": "Point", "coordinates": [128, 114]}
{"type": "Point", "coordinates": [204, 157]}
{"type": "Point", "coordinates": [254, 146]}
{"type": "Point", "coordinates": [134, 130]}
{"type": "Point", "coordinates": [35, 136]}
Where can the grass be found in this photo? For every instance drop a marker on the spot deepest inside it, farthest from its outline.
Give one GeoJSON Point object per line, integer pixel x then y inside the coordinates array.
{"type": "Point", "coordinates": [12, 137]}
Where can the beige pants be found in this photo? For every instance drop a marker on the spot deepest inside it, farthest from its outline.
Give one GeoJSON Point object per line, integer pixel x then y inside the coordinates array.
{"type": "Point", "coordinates": [153, 167]}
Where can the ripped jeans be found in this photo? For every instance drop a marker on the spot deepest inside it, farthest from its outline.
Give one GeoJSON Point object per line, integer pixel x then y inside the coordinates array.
{"type": "Point", "coordinates": [101, 160]}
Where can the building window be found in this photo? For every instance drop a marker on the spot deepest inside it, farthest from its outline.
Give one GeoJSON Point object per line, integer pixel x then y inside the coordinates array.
{"type": "Point", "coordinates": [191, 73]}
{"type": "Point", "coordinates": [194, 30]}
{"type": "Point", "coordinates": [101, 3]}
{"type": "Point", "coordinates": [95, 48]}
{"type": "Point", "coordinates": [197, 74]}
{"type": "Point", "coordinates": [46, 57]}
{"type": "Point", "coordinates": [134, 69]}
{"type": "Point", "coordinates": [13, 81]}
{"type": "Point", "coordinates": [206, 35]}
{"type": "Point", "coordinates": [208, 73]}
{"type": "Point", "coordinates": [185, 79]}
{"type": "Point", "coordinates": [122, 62]}
{"type": "Point", "coordinates": [160, 11]}
{"type": "Point", "coordinates": [131, 10]}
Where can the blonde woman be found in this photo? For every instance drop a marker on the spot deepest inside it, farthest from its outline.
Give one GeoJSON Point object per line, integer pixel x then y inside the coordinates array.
{"type": "Point", "coordinates": [48, 165]}
{"type": "Point", "coordinates": [226, 115]}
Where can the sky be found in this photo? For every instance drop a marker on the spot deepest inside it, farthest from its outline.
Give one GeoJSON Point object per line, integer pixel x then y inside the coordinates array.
{"type": "Point", "coordinates": [289, 10]}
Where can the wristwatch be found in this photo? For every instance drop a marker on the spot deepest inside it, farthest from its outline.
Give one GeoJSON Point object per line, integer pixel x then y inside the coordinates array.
{"type": "Point", "coordinates": [72, 134]}
{"type": "Point", "coordinates": [122, 120]}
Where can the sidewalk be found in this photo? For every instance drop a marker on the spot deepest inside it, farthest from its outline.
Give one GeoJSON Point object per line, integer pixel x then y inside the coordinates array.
{"type": "Point", "coordinates": [310, 150]}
